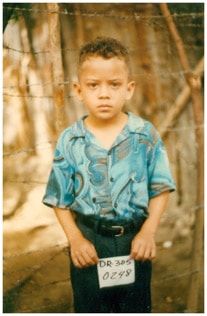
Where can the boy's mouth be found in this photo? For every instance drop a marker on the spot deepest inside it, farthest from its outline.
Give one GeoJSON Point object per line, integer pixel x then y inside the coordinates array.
{"type": "Point", "coordinates": [104, 107]}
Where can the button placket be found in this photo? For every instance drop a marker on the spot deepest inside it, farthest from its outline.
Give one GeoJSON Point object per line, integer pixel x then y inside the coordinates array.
{"type": "Point", "coordinates": [110, 176]}
{"type": "Point", "coordinates": [109, 162]}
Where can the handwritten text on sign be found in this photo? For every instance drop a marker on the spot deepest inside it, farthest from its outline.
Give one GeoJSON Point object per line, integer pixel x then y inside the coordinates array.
{"type": "Point", "coordinates": [116, 271]}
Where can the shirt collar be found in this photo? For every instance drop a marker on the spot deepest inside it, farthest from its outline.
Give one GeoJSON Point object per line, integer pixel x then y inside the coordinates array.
{"type": "Point", "coordinates": [134, 125]}
{"type": "Point", "coordinates": [78, 128]}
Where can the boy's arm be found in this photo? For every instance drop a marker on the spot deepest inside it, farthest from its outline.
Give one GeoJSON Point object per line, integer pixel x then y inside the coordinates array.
{"type": "Point", "coordinates": [143, 245]}
{"type": "Point", "coordinates": [83, 253]}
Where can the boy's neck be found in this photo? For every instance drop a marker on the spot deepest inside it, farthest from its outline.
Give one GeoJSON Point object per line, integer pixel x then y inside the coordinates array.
{"type": "Point", "coordinates": [101, 124]}
{"type": "Point", "coordinates": [106, 131]}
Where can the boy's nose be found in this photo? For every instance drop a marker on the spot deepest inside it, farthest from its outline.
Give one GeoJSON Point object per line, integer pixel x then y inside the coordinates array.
{"type": "Point", "coordinates": [104, 91]}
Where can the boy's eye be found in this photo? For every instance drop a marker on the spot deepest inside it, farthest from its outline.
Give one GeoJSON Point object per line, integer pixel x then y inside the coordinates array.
{"type": "Point", "coordinates": [92, 85]}
{"type": "Point", "coordinates": [115, 84]}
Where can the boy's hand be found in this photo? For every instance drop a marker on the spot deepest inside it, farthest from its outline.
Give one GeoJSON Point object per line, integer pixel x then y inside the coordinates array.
{"type": "Point", "coordinates": [143, 246]}
{"type": "Point", "coordinates": [83, 253]}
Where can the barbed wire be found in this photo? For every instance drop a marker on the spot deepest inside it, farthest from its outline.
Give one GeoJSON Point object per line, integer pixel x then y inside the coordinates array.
{"type": "Point", "coordinates": [161, 280]}
{"type": "Point", "coordinates": [42, 250]}
{"type": "Point", "coordinates": [42, 146]}
{"type": "Point", "coordinates": [66, 50]}
{"type": "Point", "coordinates": [65, 249]}
{"type": "Point", "coordinates": [52, 143]}
{"type": "Point", "coordinates": [167, 217]}
{"type": "Point", "coordinates": [77, 12]}
{"type": "Point", "coordinates": [29, 96]}
{"type": "Point", "coordinates": [163, 74]}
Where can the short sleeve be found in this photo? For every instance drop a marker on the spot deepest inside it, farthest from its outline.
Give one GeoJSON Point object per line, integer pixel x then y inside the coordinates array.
{"type": "Point", "coordinates": [159, 173]}
{"type": "Point", "coordinates": [60, 186]}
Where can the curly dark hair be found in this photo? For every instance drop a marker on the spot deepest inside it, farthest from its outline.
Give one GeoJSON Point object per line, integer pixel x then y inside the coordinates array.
{"type": "Point", "coordinates": [105, 47]}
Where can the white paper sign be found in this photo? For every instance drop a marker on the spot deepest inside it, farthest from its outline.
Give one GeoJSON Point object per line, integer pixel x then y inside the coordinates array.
{"type": "Point", "coordinates": [116, 271]}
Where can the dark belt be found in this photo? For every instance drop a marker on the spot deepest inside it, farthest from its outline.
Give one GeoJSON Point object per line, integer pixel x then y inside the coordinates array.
{"type": "Point", "coordinates": [111, 228]}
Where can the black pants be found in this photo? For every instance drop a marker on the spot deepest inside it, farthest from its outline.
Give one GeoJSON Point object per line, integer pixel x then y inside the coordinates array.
{"type": "Point", "coordinates": [132, 298]}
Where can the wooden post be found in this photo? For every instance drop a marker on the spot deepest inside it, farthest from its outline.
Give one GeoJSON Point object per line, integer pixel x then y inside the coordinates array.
{"type": "Point", "coordinates": [79, 25]}
{"type": "Point", "coordinates": [193, 80]}
{"type": "Point", "coordinates": [57, 67]}
{"type": "Point", "coordinates": [180, 103]}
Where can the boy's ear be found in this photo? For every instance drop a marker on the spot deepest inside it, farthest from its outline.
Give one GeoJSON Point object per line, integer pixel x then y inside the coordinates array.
{"type": "Point", "coordinates": [77, 89]}
{"type": "Point", "coordinates": [130, 90]}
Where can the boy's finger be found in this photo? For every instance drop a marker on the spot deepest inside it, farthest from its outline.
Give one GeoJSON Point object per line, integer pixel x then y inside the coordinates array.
{"type": "Point", "coordinates": [85, 260]}
{"type": "Point", "coordinates": [153, 253]}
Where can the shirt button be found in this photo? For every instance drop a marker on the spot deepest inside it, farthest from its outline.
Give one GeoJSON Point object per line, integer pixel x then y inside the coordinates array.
{"type": "Point", "coordinates": [115, 205]}
{"type": "Point", "coordinates": [94, 200]}
{"type": "Point", "coordinates": [112, 179]}
{"type": "Point", "coordinates": [109, 152]}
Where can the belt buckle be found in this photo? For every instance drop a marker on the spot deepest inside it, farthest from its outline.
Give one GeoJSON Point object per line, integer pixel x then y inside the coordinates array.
{"type": "Point", "coordinates": [121, 230]}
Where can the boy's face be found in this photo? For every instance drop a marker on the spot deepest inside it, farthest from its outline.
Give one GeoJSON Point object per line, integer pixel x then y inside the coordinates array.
{"type": "Point", "coordinates": [104, 86]}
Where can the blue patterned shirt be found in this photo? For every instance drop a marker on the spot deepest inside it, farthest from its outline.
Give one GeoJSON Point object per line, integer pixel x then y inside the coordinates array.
{"type": "Point", "coordinates": [117, 183]}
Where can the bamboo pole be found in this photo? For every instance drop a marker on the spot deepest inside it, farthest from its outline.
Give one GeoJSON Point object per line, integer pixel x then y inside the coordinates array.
{"type": "Point", "coordinates": [193, 80]}
{"type": "Point", "coordinates": [57, 67]}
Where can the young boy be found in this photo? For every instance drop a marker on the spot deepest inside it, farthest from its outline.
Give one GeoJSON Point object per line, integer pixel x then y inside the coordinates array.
{"type": "Point", "coordinates": [109, 186]}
